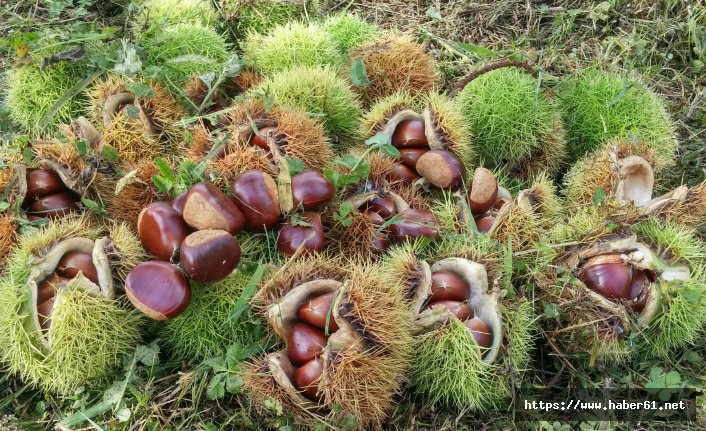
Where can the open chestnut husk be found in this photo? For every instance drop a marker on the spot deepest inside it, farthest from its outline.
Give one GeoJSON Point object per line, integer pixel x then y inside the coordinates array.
{"type": "Point", "coordinates": [208, 256]}
{"type": "Point", "coordinates": [260, 139]}
{"type": "Point", "coordinates": [255, 194]}
{"type": "Point", "coordinates": [158, 289]}
{"type": "Point", "coordinates": [206, 207]}
{"type": "Point", "coordinates": [383, 206]}
{"type": "Point", "coordinates": [161, 230]}
{"type": "Point", "coordinates": [311, 189]}
{"type": "Point", "coordinates": [459, 309]}
{"type": "Point", "coordinates": [291, 237]}
{"type": "Point", "coordinates": [480, 332]}
{"type": "Point", "coordinates": [304, 343]}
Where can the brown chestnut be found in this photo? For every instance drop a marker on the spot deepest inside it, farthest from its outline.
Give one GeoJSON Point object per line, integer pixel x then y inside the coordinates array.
{"type": "Point", "coordinates": [178, 203]}
{"type": "Point", "coordinates": [447, 285]}
{"type": "Point", "coordinates": [44, 313]}
{"type": "Point", "coordinates": [306, 376]}
{"type": "Point", "coordinates": [48, 287]}
{"type": "Point", "coordinates": [304, 343]}
{"type": "Point", "coordinates": [641, 281]}
{"type": "Point", "coordinates": [207, 208]}
{"type": "Point", "coordinates": [374, 218]}
{"type": "Point", "coordinates": [161, 230]}
{"type": "Point", "coordinates": [158, 289]}
{"type": "Point", "coordinates": [442, 169]}
{"type": "Point", "coordinates": [414, 223]}
{"type": "Point", "coordinates": [380, 242]}
{"type": "Point", "coordinates": [290, 237]}
{"type": "Point", "coordinates": [54, 206]}
{"type": "Point", "coordinates": [384, 206]}
{"type": "Point", "coordinates": [76, 261]}
{"type": "Point", "coordinates": [607, 275]}
{"type": "Point", "coordinates": [255, 194]}
{"type": "Point", "coordinates": [484, 223]}
{"type": "Point", "coordinates": [401, 174]}
{"type": "Point", "coordinates": [43, 182]}
{"type": "Point", "coordinates": [208, 256]}
{"type": "Point", "coordinates": [410, 156]}
{"type": "Point", "coordinates": [311, 189]}
{"type": "Point", "coordinates": [459, 309]}
{"type": "Point", "coordinates": [260, 139]}
{"type": "Point", "coordinates": [410, 134]}
{"type": "Point", "coordinates": [315, 310]}
{"type": "Point", "coordinates": [480, 332]}
{"type": "Point", "coordinates": [483, 191]}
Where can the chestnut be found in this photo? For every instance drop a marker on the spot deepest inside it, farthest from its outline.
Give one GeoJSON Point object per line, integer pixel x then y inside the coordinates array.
{"type": "Point", "coordinates": [459, 309]}
{"type": "Point", "coordinates": [54, 206]}
{"type": "Point", "coordinates": [447, 285]}
{"type": "Point", "coordinates": [48, 287]}
{"type": "Point", "coordinates": [380, 242]}
{"type": "Point", "coordinates": [306, 376]}
{"type": "Point", "coordinates": [304, 343]}
{"type": "Point", "coordinates": [291, 237]}
{"type": "Point", "coordinates": [384, 206]}
{"type": "Point", "coordinates": [442, 169]}
{"type": "Point", "coordinates": [480, 332]}
{"type": "Point", "coordinates": [161, 230]}
{"type": "Point", "coordinates": [414, 223]}
{"type": "Point", "coordinates": [374, 218]}
{"type": "Point", "coordinates": [315, 310]}
{"type": "Point", "coordinates": [208, 256]}
{"type": "Point", "coordinates": [641, 281]}
{"type": "Point", "coordinates": [44, 312]}
{"type": "Point", "coordinates": [255, 194]}
{"type": "Point", "coordinates": [311, 189]}
{"type": "Point", "coordinates": [158, 289]}
{"type": "Point", "coordinates": [43, 182]}
{"type": "Point", "coordinates": [483, 191]}
{"type": "Point", "coordinates": [206, 207]}
{"type": "Point", "coordinates": [484, 223]}
{"type": "Point", "coordinates": [410, 134]}
{"type": "Point", "coordinates": [178, 203]}
{"type": "Point", "coordinates": [260, 139]}
{"type": "Point", "coordinates": [401, 174]}
{"type": "Point", "coordinates": [74, 262]}
{"type": "Point", "coordinates": [608, 275]}
{"type": "Point", "coordinates": [410, 156]}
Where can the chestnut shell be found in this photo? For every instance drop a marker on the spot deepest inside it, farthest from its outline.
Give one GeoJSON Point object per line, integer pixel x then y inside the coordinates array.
{"type": "Point", "coordinates": [158, 289]}
{"type": "Point", "coordinates": [208, 256]}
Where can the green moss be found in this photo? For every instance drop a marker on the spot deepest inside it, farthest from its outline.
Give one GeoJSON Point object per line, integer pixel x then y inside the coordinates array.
{"type": "Point", "coordinates": [31, 94]}
{"type": "Point", "coordinates": [350, 30]}
{"type": "Point", "coordinates": [259, 16]}
{"type": "Point", "coordinates": [289, 45]}
{"type": "Point", "coordinates": [168, 12]}
{"type": "Point", "coordinates": [598, 106]}
{"type": "Point", "coordinates": [321, 93]}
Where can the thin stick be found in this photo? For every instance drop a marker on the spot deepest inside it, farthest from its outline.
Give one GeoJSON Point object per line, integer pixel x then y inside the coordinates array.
{"type": "Point", "coordinates": [499, 65]}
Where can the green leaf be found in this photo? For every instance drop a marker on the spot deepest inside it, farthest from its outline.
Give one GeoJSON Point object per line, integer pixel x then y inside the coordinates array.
{"type": "Point", "coordinates": [148, 355]}
{"type": "Point", "coordinates": [378, 139]}
{"type": "Point", "coordinates": [344, 214]}
{"type": "Point", "coordinates": [242, 305]}
{"type": "Point", "coordinates": [4, 205]}
{"type": "Point", "coordinates": [359, 77]}
{"type": "Point", "coordinates": [551, 311]}
{"type": "Point", "coordinates": [475, 49]}
{"type": "Point", "coordinates": [140, 89]}
{"type": "Point", "coordinates": [162, 184]}
{"type": "Point", "coordinates": [123, 414]}
{"type": "Point", "coordinates": [164, 169]}
{"type": "Point", "coordinates": [295, 165]}
{"type": "Point", "coordinates": [132, 112]}
{"type": "Point", "coordinates": [27, 155]}
{"type": "Point", "coordinates": [391, 151]}
{"type": "Point", "coordinates": [109, 153]}
{"type": "Point", "coordinates": [217, 387]}
{"type": "Point", "coordinates": [599, 197]}
{"type": "Point", "coordinates": [94, 207]}
{"type": "Point", "coordinates": [234, 383]}
{"type": "Point", "coordinates": [81, 147]}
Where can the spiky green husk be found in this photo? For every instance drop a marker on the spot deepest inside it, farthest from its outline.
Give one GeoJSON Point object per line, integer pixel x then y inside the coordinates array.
{"type": "Point", "coordinates": [598, 106]}
{"type": "Point", "coordinates": [447, 116]}
{"type": "Point", "coordinates": [89, 334]}
{"type": "Point", "coordinates": [320, 92]}
{"type": "Point", "coordinates": [289, 45]}
{"type": "Point", "coordinates": [259, 16]}
{"type": "Point", "coordinates": [31, 94]}
{"type": "Point", "coordinates": [513, 123]}
{"type": "Point", "coordinates": [545, 201]}
{"type": "Point", "coordinates": [160, 13]}
{"type": "Point", "coordinates": [349, 30]}
{"type": "Point", "coordinates": [181, 51]}
{"type": "Point", "coordinates": [204, 330]}
{"type": "Point", "coordinates": [379, 114]}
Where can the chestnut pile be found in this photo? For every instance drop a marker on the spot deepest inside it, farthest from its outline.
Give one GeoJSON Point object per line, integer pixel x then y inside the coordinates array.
{"type": "Point", "coordinates": [47, 196]}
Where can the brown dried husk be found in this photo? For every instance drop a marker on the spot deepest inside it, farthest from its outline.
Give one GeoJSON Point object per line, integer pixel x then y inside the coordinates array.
{"type": "Point", "coordinates": [127, 204]}
{"type": "Point", "coordinates": [8, 235]}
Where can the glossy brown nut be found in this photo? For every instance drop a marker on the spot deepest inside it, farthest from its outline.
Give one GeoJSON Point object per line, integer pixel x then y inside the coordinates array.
{"type": "Point", "coordinates": [483, 193]}
{"type": "Point", "coordinates": [207, 208]}
{"type": "Point", "coordinates": [44, 313]}
{"type": "Point", "coordinates": [381, 205]}
{"type": "Point", "coordinates": [208, 256]}
{"type": "Point", "coordinates": [607, 275]}
{"type": "Point", "coordinates": [414, 223]}
{"type": "Point", "coordinates": [315, 311]}
{"type": "Point", "coordinates": [306, 376]}
{"type": "Point", "coordinates": [480, 332]}
{"type": "Point", "coordinates": [76, 261]}
{"type": "Point", "coordinates": [54, 206]}
{"type": "Point", "coordinates": [410, 134]}
{"type": "Point", "coordinates": [260, 139]}
{"type": "Point", "coordinates": [484, 223]}
{"type": "Point", "coordinates": [447, 285]}
{"type": "Point", "coordinates": [304, 343]}
{"type": "Point", "coordinates": [401, 174]}
{"type": "Point", "coordinates": [161, 230]}
{"type": "Point", "coordinates": [459, 309]}
{"type": "Point", "coordinates": [410, 156]}
{"type": "Point", "coordinates": [374, 218]}
{"type": "Point", "coordinates": [290, 237]}
{"type": "Point", "coordinates": [48, 287]}
{"type": "Point", "coordinates": [178, 203]}
{"type": "Point", "coordinates": [158, 289]}
{"type": "Point", "coordinates": [311, 189]}
{"type": "Point", "coordinates": [43, 182]}
{"type": "Point", "coordinates": [380, 242]}
{"type": "Point", "coordinates": [442, 169]}
{"type": "Point", "coordinates": [255, 194]}
{"type": "Point", "coordinates": [639, 288]}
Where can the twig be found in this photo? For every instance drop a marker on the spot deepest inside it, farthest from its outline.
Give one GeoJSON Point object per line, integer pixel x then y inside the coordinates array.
{"type": "Point", "coordinates": [695, 103]}
{"type": "Point", "coordinates": [499, 65]}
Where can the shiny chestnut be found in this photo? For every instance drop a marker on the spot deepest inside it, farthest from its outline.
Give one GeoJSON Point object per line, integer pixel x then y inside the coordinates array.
{"type": "Point", "coordinates": [255, 194]}
{"type": "Point", "coordinates": [54, 206]}
{"type": "Point", "coordinates": [483, 191]}
{"type": "Point", "coordinates": [291, 237]}
{"type": "Point", "coordinates": [374, 218]}
{"type": "Point", "coordinates": [158, 289]}
{"type": "Point", "coordinates": [639, 288]}
{"type": "Point", "coordinates": [311, 189]}
{"type": "Point", "coordinates": [44, 313]}
{"type": "Point", "coordinates": [442, 169]}
{"type": "Point", "coordinates": [480, 332]}
{"type": "Point", "coordinates": [401, 174]}
{"type": "Point", "coordinates": [484, 223]}
{"type": "Point", "coordinates": [206, 207]}
{"type": "Point", "coordinates": [306, 376]}
{"type": "Point", "coordinates": [44, 182]}
{"type": "Point", "coordinates": [410, 156]}
{"type": "Point", "coordinates": [48, 287]}
{"type": "Point", "coordinates": [208, 256]}
{"type": "Point", "coordinates": [384, 206]}
{"type": "Point", "coordinates": [304, 343]}
{"type": "Point", "coordinates": [447, 285]}
{"type": "Point", "coordinates": [459, 309]}
{"type": "Point", "coordinates": [178, 203]}
{"type": "Point", "coordinates": [315, 311]}
{"type": "Point", "coordinates": [380, 242]}
{"type": "Point", "coordinates": [161, 230]}
{"type": "Point", "coordinates": [415, 223]}
{"type": "Point", "coordinates": [260, 139]}
{"type": "Point", "coordinates": [607, 275]}
{"type": "Point", "coordinates": [410, 134]}
{"type": "Point", "coordinates": [74, 262]}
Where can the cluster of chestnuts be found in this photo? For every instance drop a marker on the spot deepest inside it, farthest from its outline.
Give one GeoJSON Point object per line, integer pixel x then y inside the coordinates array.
{"type": "Point", "coordinates": [448, 290]}
{"type": "Point", "coordinates": [70, 266]}
{"type": "Point", "coordinates": [439, 167]}
{"type": "Point", "coordinates": [611, 277]}
{"type": "Point", "coordinates": [484, 200]}
{"type": "Point", "coordinates": [47, 196]}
